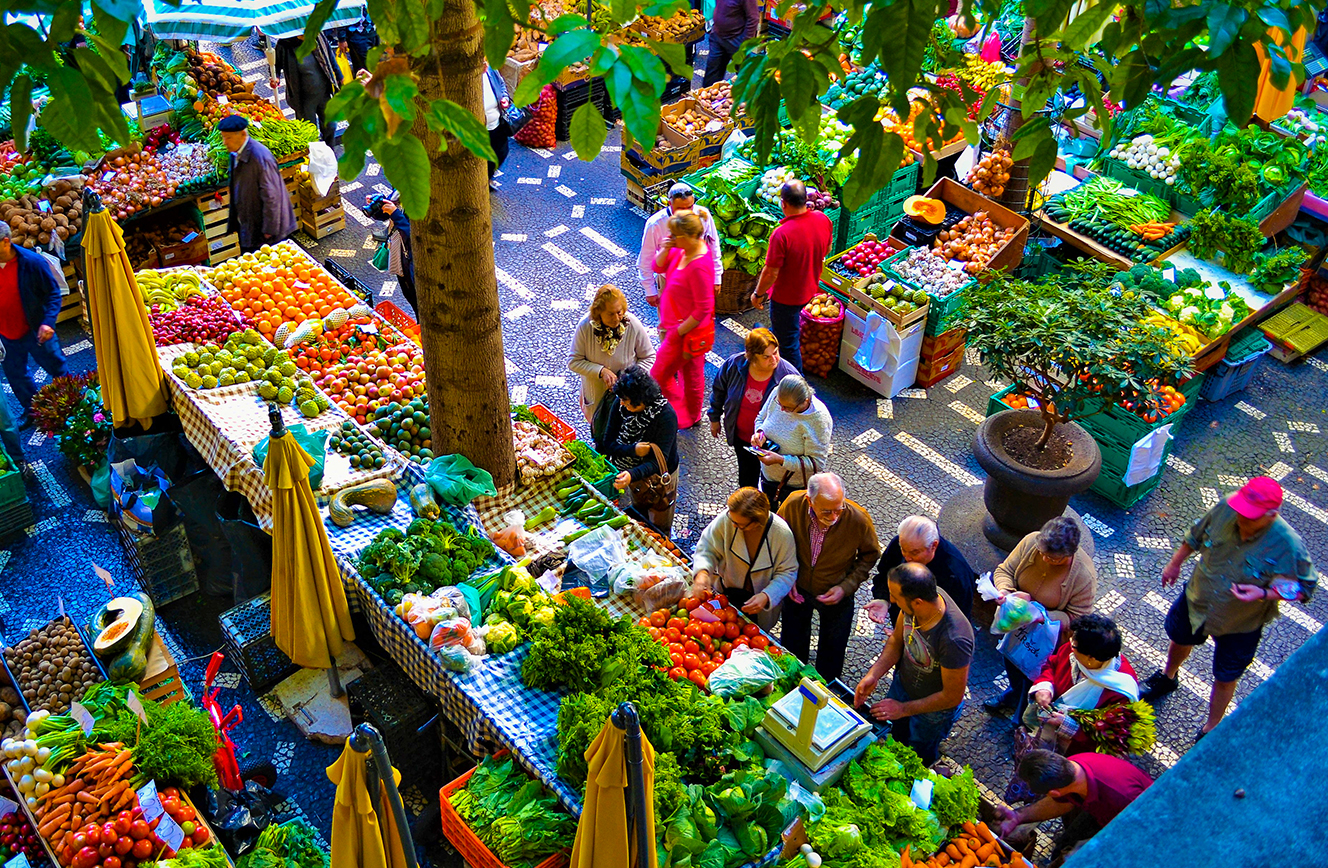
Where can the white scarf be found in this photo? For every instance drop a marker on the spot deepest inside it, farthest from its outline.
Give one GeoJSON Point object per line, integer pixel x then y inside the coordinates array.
{"type": "Point", "coordinates": [1089, 684]}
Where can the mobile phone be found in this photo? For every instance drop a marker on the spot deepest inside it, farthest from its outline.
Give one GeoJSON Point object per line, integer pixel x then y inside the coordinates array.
{"type": "Point", "coordinates": [753, 450]}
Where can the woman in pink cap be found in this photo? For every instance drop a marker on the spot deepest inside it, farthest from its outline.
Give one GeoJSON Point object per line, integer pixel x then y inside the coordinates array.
{"type": "Point", "coordinates": [1249, 560]}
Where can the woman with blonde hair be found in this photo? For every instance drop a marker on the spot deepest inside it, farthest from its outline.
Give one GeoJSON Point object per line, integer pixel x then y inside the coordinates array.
{"type": "Point", "coordinates": [739, 391]}
{"type": "Point", "coordinates": [686, 316]}
{"type": "Point", "coordinates": [748, 554]}
{"type": "Point", "coordinates": [608, 340]}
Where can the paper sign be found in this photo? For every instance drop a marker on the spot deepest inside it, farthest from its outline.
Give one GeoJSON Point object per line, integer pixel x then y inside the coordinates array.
{"type": "Point", "coordinates": [107, 177]}
{"type": "Point", "coordinates": [136, 706]}
{"type": "Point", "coordinates": [19, 861]}
{"type": "Point", "coordinates": [60, 603]}
{"type": "Point", "coordinates": [45, 206]}
{"type": "Point", "coordinates": [190, 237]}
{"type": "Point", "coordinates": [169, 831]}
{"type": "Point", "coordinates": [104, 576]}
{"type": "Point", "coordinates": [82, 716]}
{"type": "Point", "coordinates": [921, 794]}
{"type": "Point", "coordinates": [148, 801]}
{"type": "Point", "coordinates": [221, 99]}
{"type": "Point", "coordinates": [7, 806]}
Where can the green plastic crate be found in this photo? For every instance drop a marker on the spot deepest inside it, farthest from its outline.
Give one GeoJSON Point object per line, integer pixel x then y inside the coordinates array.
{"type": "Point", "coordinates": [1120, 426]}
{"type": "Point", "coordinates": [1138, 180]}
{"type": "Point", "coordinates": [877, 220]}
{"type": "Point", "coordinates": [942, 313]}
{"type": "Point", "coordinates": [12, 490]}
{"type": "Point", "coordinates": [996, 405]}
{"type": "Point", "coordinates": [904, 182]}
{"type": "Point", "coordinates": [1114, 489]}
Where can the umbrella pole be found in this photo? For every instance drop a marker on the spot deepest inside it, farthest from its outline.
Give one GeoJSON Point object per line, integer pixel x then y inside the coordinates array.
{"type": "Point", "coordinates": [334, 681]}
{"type": "Point", "coordinates": [626, 719]}
{"type": "Point", "coordinates": [366, 739]}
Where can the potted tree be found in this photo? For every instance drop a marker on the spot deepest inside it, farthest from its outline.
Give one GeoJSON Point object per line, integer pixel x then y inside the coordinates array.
{"type": "Point", "coordinates": [1077, 343]}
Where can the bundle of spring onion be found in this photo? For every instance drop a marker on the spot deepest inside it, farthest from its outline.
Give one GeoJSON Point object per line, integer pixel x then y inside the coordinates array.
{"type": "Point", "coordinates": [1107, 200]}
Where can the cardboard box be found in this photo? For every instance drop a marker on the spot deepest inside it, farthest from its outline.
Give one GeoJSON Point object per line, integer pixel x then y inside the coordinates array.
{"type": "Point", "coordinates": [891, 379]}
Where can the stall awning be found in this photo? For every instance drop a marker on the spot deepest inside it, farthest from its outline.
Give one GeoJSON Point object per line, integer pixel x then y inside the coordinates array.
{"type": "Point", "coordinates": [227, 22]}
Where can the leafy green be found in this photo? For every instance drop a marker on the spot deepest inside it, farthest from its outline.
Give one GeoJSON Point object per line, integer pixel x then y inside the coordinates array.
{"type": "Point", "coordinates": [292, 844]}
{"type": "Point", "coordinates": [1273, 271]}
{"type": "Point", "coordinates": [211, 856]}
{"type": "Point", "coordinates": [175, 746]}
{"type": "Point", "coordinates": [1237, 238]}
{"type": "Point", "coordinates": [515, 817]}
{"type": "Point", "coordinates": [429, 555]}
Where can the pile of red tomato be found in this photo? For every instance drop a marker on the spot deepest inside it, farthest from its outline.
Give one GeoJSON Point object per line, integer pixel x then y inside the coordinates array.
{"type": "Point", "coordinates": [129, 839]}
{"type": "Point", "coordinates": [698, 647]}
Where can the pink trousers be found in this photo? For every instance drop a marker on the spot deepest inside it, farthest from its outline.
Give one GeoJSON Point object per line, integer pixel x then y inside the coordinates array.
{"type": "Point", "coordinates": [682, 380]}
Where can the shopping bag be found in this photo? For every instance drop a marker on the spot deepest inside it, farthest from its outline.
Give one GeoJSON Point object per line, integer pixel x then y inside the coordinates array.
{"type": "Point", "coordinates": [454, 479]}
{"type": "Point", "coordinates": [598, 552]}
{"type": "Point", "coordinates": [1029, 646]}
{"type": "Point", "coordinates": [141, 471]}
{"type": "Point", "coordinates": [313, 442]}
{"type": "Point", "coordinates": [343, 64]}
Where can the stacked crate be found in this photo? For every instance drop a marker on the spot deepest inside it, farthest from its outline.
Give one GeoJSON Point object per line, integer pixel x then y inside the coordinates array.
{"type": "Point", "coordinates": [216, 210]}
{"type": "Point", "coordinates": [942, 357]}
{"type": "Point", "coordinates": [320, 216]}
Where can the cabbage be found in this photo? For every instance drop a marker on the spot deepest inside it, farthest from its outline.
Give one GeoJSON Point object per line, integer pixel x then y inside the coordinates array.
{"type": "Point", "coordinates": [843, 840]}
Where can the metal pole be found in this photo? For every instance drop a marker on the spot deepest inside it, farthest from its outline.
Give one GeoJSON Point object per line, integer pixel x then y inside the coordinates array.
{"type": "Point", "coordinates": [366, 739]}
{"type": "Point", "coordinates": [626, 718]}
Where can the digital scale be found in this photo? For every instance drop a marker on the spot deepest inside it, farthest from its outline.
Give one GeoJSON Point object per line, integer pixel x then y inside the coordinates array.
{"type": "Point", "coordinates": [815, 733]}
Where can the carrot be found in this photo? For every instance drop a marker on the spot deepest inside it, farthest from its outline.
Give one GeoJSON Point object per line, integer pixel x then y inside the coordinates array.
{"type": "Point", "coordinates": [953, 852]}
{"type": "Point", "coordinates": [1017, 860]}
{"type": "Point", "coordinates": [969, 828]}
{"type": "Point", "coordinates": [48, 826]}
{"type": "Point", "coordinates": [984, 852]}
{"type": "Point", "coordinates": [986, 834]}
{"type": "Point", "coordinates": [905, 860]}
{"type": "Point", "coordinates": [969, 861]}
{"type": "Point", "coordinates": [88, 798]}
{"type": "Point", "coordinates": [941, 859]}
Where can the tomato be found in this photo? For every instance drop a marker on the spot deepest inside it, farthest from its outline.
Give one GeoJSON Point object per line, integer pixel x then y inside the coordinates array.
{"type": "Point", "coordinates": [171, 793]}
{"type": "Point", "coordinates": [124, 845]}
{"type": "Point", "coordinates": [673, 634]}
{"type": "Point", "coordinates": [741, 640]}
{"type": "Point", "coordinates": [760, 642]}
{"type": "Point", "coordinates": [717, 658]}
{"type": "Point", "coordinates": [677, 673]}
{"type": "Point", "coordinates": [660, 618]}
{"type": "Point", "coordinates": [104, 850]}
{"type": "Point", "coordinates": [699, 679]}
{"type": "Point", "coordinates": [725, 648]}
{"type": "Point", "coordinates": [690, 662]}
{"type": "Point", "coordinates": [707, 668]}
{"type": "Point", "coordinates": [676, 624]}
{"type": "Point", "coordinates": [188, 827]}
{"type": "Point", "coordinates": [690, 603]}
{"type": "Point", "coordinates": [122, 822]}
{"type": "Point", "coordinates": [723, 600]}
{"type": "Point", "coordinates": [86, 857]}
{"type": "Point", "coordinates": [110, 862]}
{"type": "Point", "coordinates": [92, 834]}
{"type": "Point", "coordinates": [693, 629]}
{"type": "Point", "coordinates": [708, 645]}
{"type": "Point", "coordinates": [750, 630]}
{"type": "Point", "coordinates": [718, 629]}
{"type": "Point", "coordinates": [691, 646]}
{"type": "Point", "coordinates": [676, 646]}
{"type": "Point", "coordinates": [142, 849]}
{"type": "Point", "coordinates": [676, 658]}
{"type": "Point", "coordinates": [200, 836]}
{"type": "Point", "coordinates": [656, 633]}
{"type": "Point", "coordinates": [80, 841]}
{"type": "Point", "coordinates": [726, 615]}
{"type": "Point", "coordinates": [139, 830]}
{"type": "Point", "coordinates": [732, 630]}
{"type": "Point", "coordinates": [643, 621]}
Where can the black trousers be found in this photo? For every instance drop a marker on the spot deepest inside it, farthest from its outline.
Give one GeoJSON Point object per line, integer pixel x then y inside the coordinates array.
{"type": "Point", "coordinates": [836, 626]}
{"type": "Point", "coordinates": [717, 63]}
{"type": "Point", "coordinates": [498, 140]}
{"type": "Point", "coordinates": [749, 467]}
{"type": "Point", "coordinates": [358, 45]}
{"type": "Point", "coordinates": [406, 280]}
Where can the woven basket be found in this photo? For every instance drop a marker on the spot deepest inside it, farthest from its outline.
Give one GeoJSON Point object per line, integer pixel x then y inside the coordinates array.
{"type": "Point", "coordinates": [735, 292]}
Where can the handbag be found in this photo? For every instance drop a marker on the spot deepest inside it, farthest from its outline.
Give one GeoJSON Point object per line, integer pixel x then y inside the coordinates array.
{"type": "Point", "coordinates": [789, 475]}
{"type": "Point", "coordinates": [382, 255]}
{"type": "Point", "coordinates": [655, 492]}
{"type": "Point", "coordinates": [516, 116]}
{"type": "Point", "coordinates": [699, 340]}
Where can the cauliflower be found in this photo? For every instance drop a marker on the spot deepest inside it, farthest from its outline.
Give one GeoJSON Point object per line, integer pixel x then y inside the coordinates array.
{"type": "Point", "coordinates": [1189, 314]}
{"type": "Point", "coordinates": [502, 637]}
{"type": "Point", "coordinates": [1225, 314]}
{"type": "Point", "coordinates": [1175, 303]}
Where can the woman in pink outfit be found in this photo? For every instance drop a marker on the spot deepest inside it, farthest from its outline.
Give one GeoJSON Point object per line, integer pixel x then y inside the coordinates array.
{"type": "Point", "coordinates": [686, 316]}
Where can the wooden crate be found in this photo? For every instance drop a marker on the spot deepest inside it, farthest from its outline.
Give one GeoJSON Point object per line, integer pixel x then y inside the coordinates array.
{"type": "Point", "coordinates": [311, 202]}
{"type": "Point", "coordinates": [320, 224]}
{"type": "Point", "coordinates": [220, 200]}
{"type": "Point", "coordinates": [162, 681]}
{"type": "Point", "coordinates": [70, 306]}
{"type": "Point", "coordinates": [857, 291]}
{"type": "Point", "coordinates": [1012, 253]}
{"type": "Point", "coordinates": [222, 248]}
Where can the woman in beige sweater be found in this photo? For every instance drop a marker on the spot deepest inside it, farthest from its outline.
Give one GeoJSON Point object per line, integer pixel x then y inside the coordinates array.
{"type": "Point", "coordinates": [608, 341]}
{"type": "Point", "coordinates": [1047, 567]}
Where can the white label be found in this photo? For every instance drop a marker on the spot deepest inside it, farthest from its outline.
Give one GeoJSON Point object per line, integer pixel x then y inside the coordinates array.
{"type": "Point", "coordinates": [7, 806]}
{"type": "Point", "coordinates": [104, 575]}
{"type": "Point", "coordinates": [148, 801]}
{"type": "Point", "coordinates": [169, 831]}
{"type": "Point", "coordinates": [221, 99]}
{"type": "Point", "coordinates": [82, 716]}
{"type": "Point", "coordinates": [136, 706]}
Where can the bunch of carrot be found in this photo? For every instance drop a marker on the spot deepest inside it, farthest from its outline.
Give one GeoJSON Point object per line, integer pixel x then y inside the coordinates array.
{"type": "Point", "coordinates": [975, 848]}
{"type": "Point", "coordinates": [1152, 231]}
{"type": "Point", "coordinates": [98, 784]}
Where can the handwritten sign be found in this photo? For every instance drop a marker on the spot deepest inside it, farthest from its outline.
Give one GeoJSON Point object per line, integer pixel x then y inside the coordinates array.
{"type": "Point", "coordinates": [149, 802]}
{"type": "Point", "coordinates": [82, 717]}
{"type": "Point", "coordinates": [136, 706]}
{"type": "Point", "coordinates": [19, 861]}
{"type": "Point", "coordinates": [169, 831]}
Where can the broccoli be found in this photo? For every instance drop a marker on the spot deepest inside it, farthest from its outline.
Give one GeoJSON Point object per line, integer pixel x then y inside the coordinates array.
{"type": "Point", "coordinates": [420, 527]}
{"type": "Point", "coordinates": [391, 534]}
{"type": "Point", "coordinates": [1187, 277]}
{"type": "Point", "coordinates": [1141, 274]}
{"type": "Point", "coordinates": [387, 554]}
{"type": "Point", "coordinates": [435, 569]}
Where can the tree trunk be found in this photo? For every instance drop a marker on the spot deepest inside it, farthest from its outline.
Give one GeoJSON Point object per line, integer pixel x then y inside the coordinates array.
{"type": "Point", "coordinates": [460, 316]}
{"type": "Point", "coordinates": [1015, 196]}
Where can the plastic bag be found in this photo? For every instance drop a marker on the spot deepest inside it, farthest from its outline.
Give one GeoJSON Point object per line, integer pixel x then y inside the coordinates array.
{"type": "Point", "coordinates": [665, 593]}
{"type": "Point", "coordinates": [313, 442]}
{"type": "Point", "coordinates": [455, 480]}
{"type": "Point", "coordinates": [322, 167]}
{"type": "Point", "coordinates": [730, 147]}
{"type": "Point", "coordinates": [424, 613]}
{"type": "Point", "coordinates": [744, 673]}
{"type": "Point", "coordinates": [512, 537]}
{"type": "Point", "coordinates": [986, 587]}
{"type": "Point", "coordinates": [1014, 613]}
{"type": "Point", "coordinates": [464, 600]}
{"type": "Point", "coordinates": [240, 816]}
{"type": "Point", "coordinates": [598, 552]}
{"type": "Point", "coordinates": [1029, 646]}
{"type": "Point", "coordinates": [101, 485]}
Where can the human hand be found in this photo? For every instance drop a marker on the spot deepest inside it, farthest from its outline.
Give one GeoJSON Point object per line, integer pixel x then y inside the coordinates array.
{"type": "Point", "coordinates": [343, 45]}
{"type": "Point", "coordinates": [715, 428]}
{"type": "Point", "coordinates": [878, 611]}
{"type": "Point", "coordinates": [642, 450]}
{"type": "Point", "coordinates": [758, 603]}
{"type": "Point", "coordinates": [1043, 698]}
{"type": "Point", "coordinates": [1170, 573]}
{"type": "Point", "coordinates": [44, 334]}
{"type": "Point", "coordinates": [832, 596]}
{"type": "Point", "coordinates": [1009, 819]}
{"type": "Point", "coordinates": [652, 300]}
{"type": "Point", "coordinates": [700, 584]}
{"type": "Point", "coordinates": [758, 301]}
{"type": "Point", "coordinates": [609, 377]}
{"type": "Point", "coordinates": [1248, 593]}
{"type": "Point", "coordinates": [770, 459]}
{"type": "Point", "coordinates": [1055, 718]}
{"type": "Point", "coordinates": [888, 709]}
{"type": "Point", "coordinates": [622, 480]}
{"type": "Point", "coordinates": [364, 76]}
{"type": "Point", "coordinates": [758, 440]}
{"type": "Point", "coordinates": [1020, 595]}
{"type": "Point", "coordinates": [668, 243]}
{"type": "Point", "coordinates": [864, 689]}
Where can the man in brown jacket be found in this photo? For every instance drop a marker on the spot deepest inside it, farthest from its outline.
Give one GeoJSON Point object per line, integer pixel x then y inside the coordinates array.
{"type": "Point", "coordinates": [837, 548]}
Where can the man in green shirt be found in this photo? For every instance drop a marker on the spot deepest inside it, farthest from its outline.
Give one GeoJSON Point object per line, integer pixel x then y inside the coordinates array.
{"type": "Point", "coordinates": [1249, 560]}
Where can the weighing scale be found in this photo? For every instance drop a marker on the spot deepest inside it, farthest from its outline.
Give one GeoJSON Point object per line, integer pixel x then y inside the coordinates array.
{"type": "Point", "coordinates": [815, 733]}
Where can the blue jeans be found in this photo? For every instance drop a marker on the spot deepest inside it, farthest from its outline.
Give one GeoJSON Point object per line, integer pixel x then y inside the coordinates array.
{"type": "Point", "coordinates": [922, 732]}
{"type": "Point", "coordinates": [9, 433]}
{"type": "Point", "coordinates": [786, 323]}
{"type": "Point", "coordinates": [48, 355]}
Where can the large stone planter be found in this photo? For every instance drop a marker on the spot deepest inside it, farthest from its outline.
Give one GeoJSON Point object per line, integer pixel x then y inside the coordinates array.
{"type": "Point", "coordinates": [1020, 499]}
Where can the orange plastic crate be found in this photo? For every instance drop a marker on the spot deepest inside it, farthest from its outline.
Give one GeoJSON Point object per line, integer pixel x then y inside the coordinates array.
{"type": "Point", "coordinates": [463, 838]}
{"type": "Point", "coordinates": [400, 319]}
{"type": "Point", "coordinates": [557, 427]}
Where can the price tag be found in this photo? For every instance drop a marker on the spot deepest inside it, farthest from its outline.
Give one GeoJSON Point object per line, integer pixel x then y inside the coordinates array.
{"type": "Point", "coordinates": [82, 716]}
{"type": "Point", "coordinates": [136, 706]}
{"type": "Point", "coordinates": [108, 176]}
{"type": "Point", "coordinates": [44, 206]}
{"type": "Point", "coordinates": [104, 576]}
{"type": "Point", "coordinates": [221, 99]}
{"type": "Point", "coordinates": [60, 605]}
{"type": "Point", "coordinates": [148, 801]}
{"type": "Point", "coordinates": [169, 831]}
{"type": "Point", "coordinates": [7, 806]}
{"type": "Point", "coordinates": [19, 861]}
{"type": "Point", "coordinates": [190, 237]}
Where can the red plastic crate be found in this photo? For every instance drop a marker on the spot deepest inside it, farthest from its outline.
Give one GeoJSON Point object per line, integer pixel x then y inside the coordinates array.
{"type": "Point", "coordinates": [463, 838]}
{"type": "Point", "coordinates": [557, 427]}
{"type": "Point", "coordinates": [400, 319]}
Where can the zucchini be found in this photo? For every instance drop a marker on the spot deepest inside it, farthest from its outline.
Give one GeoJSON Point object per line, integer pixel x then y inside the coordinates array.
{"type": "Point", "coordinates": [121, 633]}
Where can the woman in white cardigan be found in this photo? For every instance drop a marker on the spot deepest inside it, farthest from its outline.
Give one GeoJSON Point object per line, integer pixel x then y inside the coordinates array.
{"type": "Point", "coordinates": [792, 438]}
{"type": "Point", "coordinates": [748, 554]}
{"type": "Point", "coordinates": [608, 341]}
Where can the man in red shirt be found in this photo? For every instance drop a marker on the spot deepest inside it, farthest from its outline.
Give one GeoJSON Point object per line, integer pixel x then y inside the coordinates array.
{"type": "Point", "coordinates": [29, 306]}
{"type": "Point", "coordinates": [1088, 789]}
{"type": "Point", "coordinates": [793, 267]}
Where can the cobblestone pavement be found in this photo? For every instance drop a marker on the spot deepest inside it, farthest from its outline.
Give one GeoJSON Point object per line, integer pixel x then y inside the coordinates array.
{"type": "Point", "coordinates": [562, 227]}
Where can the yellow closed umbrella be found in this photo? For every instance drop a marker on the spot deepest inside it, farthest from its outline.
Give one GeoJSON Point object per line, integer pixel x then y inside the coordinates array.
{"type": "Point", "coordinates": [131, 383]}
{"type": "Point", "coordinates": [1272, 103]}
{"type": "Point", "coordinates": [364, 834]}
{"type": "Point", "coordinates": [603, 835]}
{"type": "Point", "coordinates": [310, 618]}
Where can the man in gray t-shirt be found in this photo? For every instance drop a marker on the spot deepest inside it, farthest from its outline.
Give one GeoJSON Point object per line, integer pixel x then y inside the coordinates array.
{"type": "Point", "coordinates": [930, 651]}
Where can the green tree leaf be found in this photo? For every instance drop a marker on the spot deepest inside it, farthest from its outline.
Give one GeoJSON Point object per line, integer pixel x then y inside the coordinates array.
{"type": "Point", "coordinates": [112, 24]}
{"type": "Point", "coordinates": [1224, 23]}
{"type": "Point", "coordinates": [798, 81]}
{"type": "Point", "coordinates": [1133, 78]}
{"type": "Point", "coordinates": [400, 93]}
{"type": "Point", "coordinates": [1275, 17]}
{"type": "Point", "coordinates": [646, 68]}
{"type": "Point", "coordinates": [445, 116]}
{"type": "Point", "coordinates": [1043, 159]}
{"type": "Point", "coordinates": [1238, 76]}
{"type": "Point", "coordinates": [1279, 68]}
{"type": "Point", "coordinates": [674, 57]}
{"type": "Point", "coordinates": [322, 11]}
{"type": "Point", "coordinates": [499, 32]}
{"type": "Point", "coordinates": [588, 131]}
{"type": "Point", "coordinates": [406, 165]}
{"type": "Point", "coordinates": [569, 48]}
{"type": "Point", "coordinates": [20, 107]}
{"type": "Point", "coordinates": [1084, 26]}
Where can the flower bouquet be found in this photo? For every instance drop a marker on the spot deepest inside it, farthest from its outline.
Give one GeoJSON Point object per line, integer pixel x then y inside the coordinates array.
{"type": "Point", "coordinates": [88, 433]}
{"type": "Point", "coordinates": [1119, 729]}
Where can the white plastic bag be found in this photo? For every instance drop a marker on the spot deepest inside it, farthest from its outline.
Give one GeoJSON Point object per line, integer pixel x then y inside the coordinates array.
{"type": "Point", "coordinates": [598, 552]}
{"type": "Point", "coordinates": [986, 587]}
{"type": "Point", "coordinates": [732, 143]}
{"type": "Point", "coordinates": [322, 167]}
{"type": "Point", "coordinates": [1029, 646]}
{"type": "Point", "coordinates": [747, 671]}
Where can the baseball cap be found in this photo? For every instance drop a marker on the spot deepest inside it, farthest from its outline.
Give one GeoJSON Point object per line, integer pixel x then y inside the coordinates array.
{"type": "Point", "coordinates": [1256, 498]}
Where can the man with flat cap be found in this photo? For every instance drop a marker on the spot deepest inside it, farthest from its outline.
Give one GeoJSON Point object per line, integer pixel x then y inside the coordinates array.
{"type": "Point", "coordinates": [261, 209]}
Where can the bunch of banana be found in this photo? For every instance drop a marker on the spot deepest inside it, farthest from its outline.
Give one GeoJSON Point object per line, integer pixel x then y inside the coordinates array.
{"type": "Point", "coordinates": [1184, 338]}
{"type": "Point", "coordinates": [164, 291]}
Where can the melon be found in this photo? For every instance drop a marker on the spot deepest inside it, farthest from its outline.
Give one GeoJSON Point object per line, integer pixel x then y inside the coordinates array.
{"type": "Point", "coordinates": [123, 630]}
{"type": "Point", "coordinates": [929, 210]}
{"type": "Point", "coordinates": [114, 637]}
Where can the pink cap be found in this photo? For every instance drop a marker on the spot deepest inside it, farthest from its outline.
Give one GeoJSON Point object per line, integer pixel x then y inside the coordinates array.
{"type": "Point", "coordinates": [1256, 498]}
